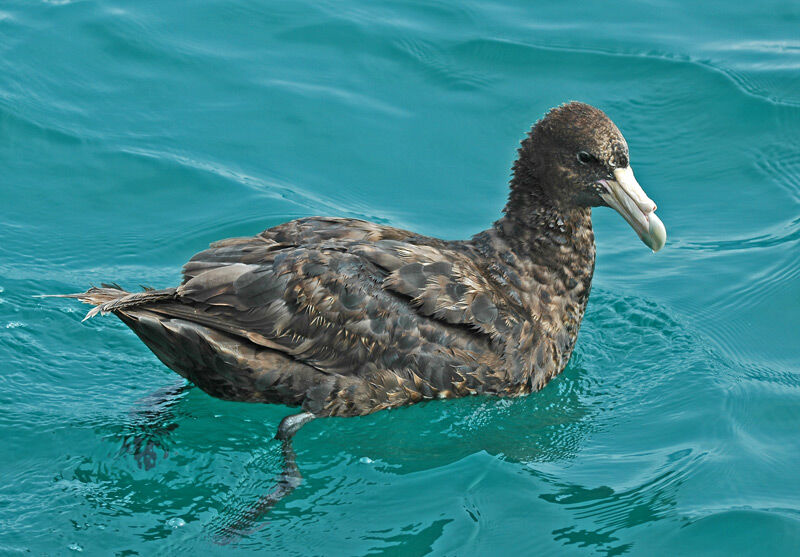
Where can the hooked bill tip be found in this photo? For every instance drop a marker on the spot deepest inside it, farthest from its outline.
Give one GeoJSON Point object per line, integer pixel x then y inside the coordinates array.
{"type": "Point", "coordinates": [656, 235]}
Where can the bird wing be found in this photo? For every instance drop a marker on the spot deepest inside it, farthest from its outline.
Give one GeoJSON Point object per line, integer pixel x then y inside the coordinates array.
{"type": "Point", "coordinates": [321, 232]}
{"type": "Point", "coordinates": [351, 297]}
{"type": "Point", "coordinates": [446, 284]}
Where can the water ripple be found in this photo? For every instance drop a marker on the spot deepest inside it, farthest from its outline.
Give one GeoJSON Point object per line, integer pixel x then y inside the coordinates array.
{"type": "Point", "coordinates": [609, 510]}
{"type": "Point", "coordinates": [744, 82]}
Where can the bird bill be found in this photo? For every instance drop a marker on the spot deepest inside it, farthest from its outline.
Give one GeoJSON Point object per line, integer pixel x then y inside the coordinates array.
{"type": "Point", "coordinates": [627, 197]}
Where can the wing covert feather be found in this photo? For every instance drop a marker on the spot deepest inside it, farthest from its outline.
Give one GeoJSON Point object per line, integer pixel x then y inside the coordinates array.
{"type": "Point", "coordinates": [446, 285]}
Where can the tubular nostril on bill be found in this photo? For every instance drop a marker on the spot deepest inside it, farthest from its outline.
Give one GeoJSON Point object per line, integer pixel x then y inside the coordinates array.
{"type": "Point", "coordinates": [648, 207]}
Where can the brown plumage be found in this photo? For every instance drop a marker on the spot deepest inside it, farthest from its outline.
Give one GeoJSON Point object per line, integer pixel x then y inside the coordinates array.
{"type": "Point", "coordinates": [345, 317]}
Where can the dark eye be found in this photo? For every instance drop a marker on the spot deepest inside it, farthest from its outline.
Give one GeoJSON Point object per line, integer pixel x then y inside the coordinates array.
{"type": "Point", "coordinates": [585, 158]}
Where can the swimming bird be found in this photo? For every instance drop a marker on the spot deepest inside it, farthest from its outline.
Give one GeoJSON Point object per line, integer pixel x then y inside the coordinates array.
{"type": "Point", "coordinates": [344, 317]}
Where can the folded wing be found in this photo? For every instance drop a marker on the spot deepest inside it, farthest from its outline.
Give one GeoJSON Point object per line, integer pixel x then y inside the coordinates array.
{"type": "Point", "coordinates": [354, 298]}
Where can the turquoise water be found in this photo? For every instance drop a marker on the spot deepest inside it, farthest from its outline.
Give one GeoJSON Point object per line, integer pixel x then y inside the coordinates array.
{"type": "Point", "coordinates": [132, 134]}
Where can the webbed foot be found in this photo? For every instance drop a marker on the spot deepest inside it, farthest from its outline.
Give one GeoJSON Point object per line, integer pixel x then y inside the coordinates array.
{"type": "Point", "coordinates": [150, 423]}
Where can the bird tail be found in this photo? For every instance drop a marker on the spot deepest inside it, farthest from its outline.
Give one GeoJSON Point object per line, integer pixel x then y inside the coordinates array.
{"type": "Point", "coordinates": [112, 298]}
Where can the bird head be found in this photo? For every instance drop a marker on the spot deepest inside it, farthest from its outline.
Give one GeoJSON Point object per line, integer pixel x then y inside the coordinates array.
{"type": "Point", "coordinates": [581, 159]}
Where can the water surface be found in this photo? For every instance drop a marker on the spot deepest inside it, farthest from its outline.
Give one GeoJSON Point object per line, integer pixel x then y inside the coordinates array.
{"type": "Point", "coordinates": [132, 134]}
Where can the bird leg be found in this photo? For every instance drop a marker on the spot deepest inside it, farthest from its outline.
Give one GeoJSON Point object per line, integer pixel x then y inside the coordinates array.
{"type": "Point", "coordinates": [291, 424]}
{"type": "Point", "coordinates": [288, 480]}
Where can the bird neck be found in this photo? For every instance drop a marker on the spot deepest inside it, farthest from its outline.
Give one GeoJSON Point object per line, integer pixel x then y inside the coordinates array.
{"type": "Point", "coordinates": [552, 250]}
{"type": "Point", "coordinates": [543, 230]}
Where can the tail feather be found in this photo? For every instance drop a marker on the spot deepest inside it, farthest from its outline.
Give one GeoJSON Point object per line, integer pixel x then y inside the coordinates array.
{"type": "Point", "coordinates": [112, 297]}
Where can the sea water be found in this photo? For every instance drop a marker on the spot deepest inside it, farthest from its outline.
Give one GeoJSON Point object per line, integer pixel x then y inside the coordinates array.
{"type": "Point", "coordinates": [134, 133]}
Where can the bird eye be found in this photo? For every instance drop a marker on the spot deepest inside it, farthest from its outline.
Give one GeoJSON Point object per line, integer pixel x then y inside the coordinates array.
{"type": "Point", "coordinates": [584, 157]}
